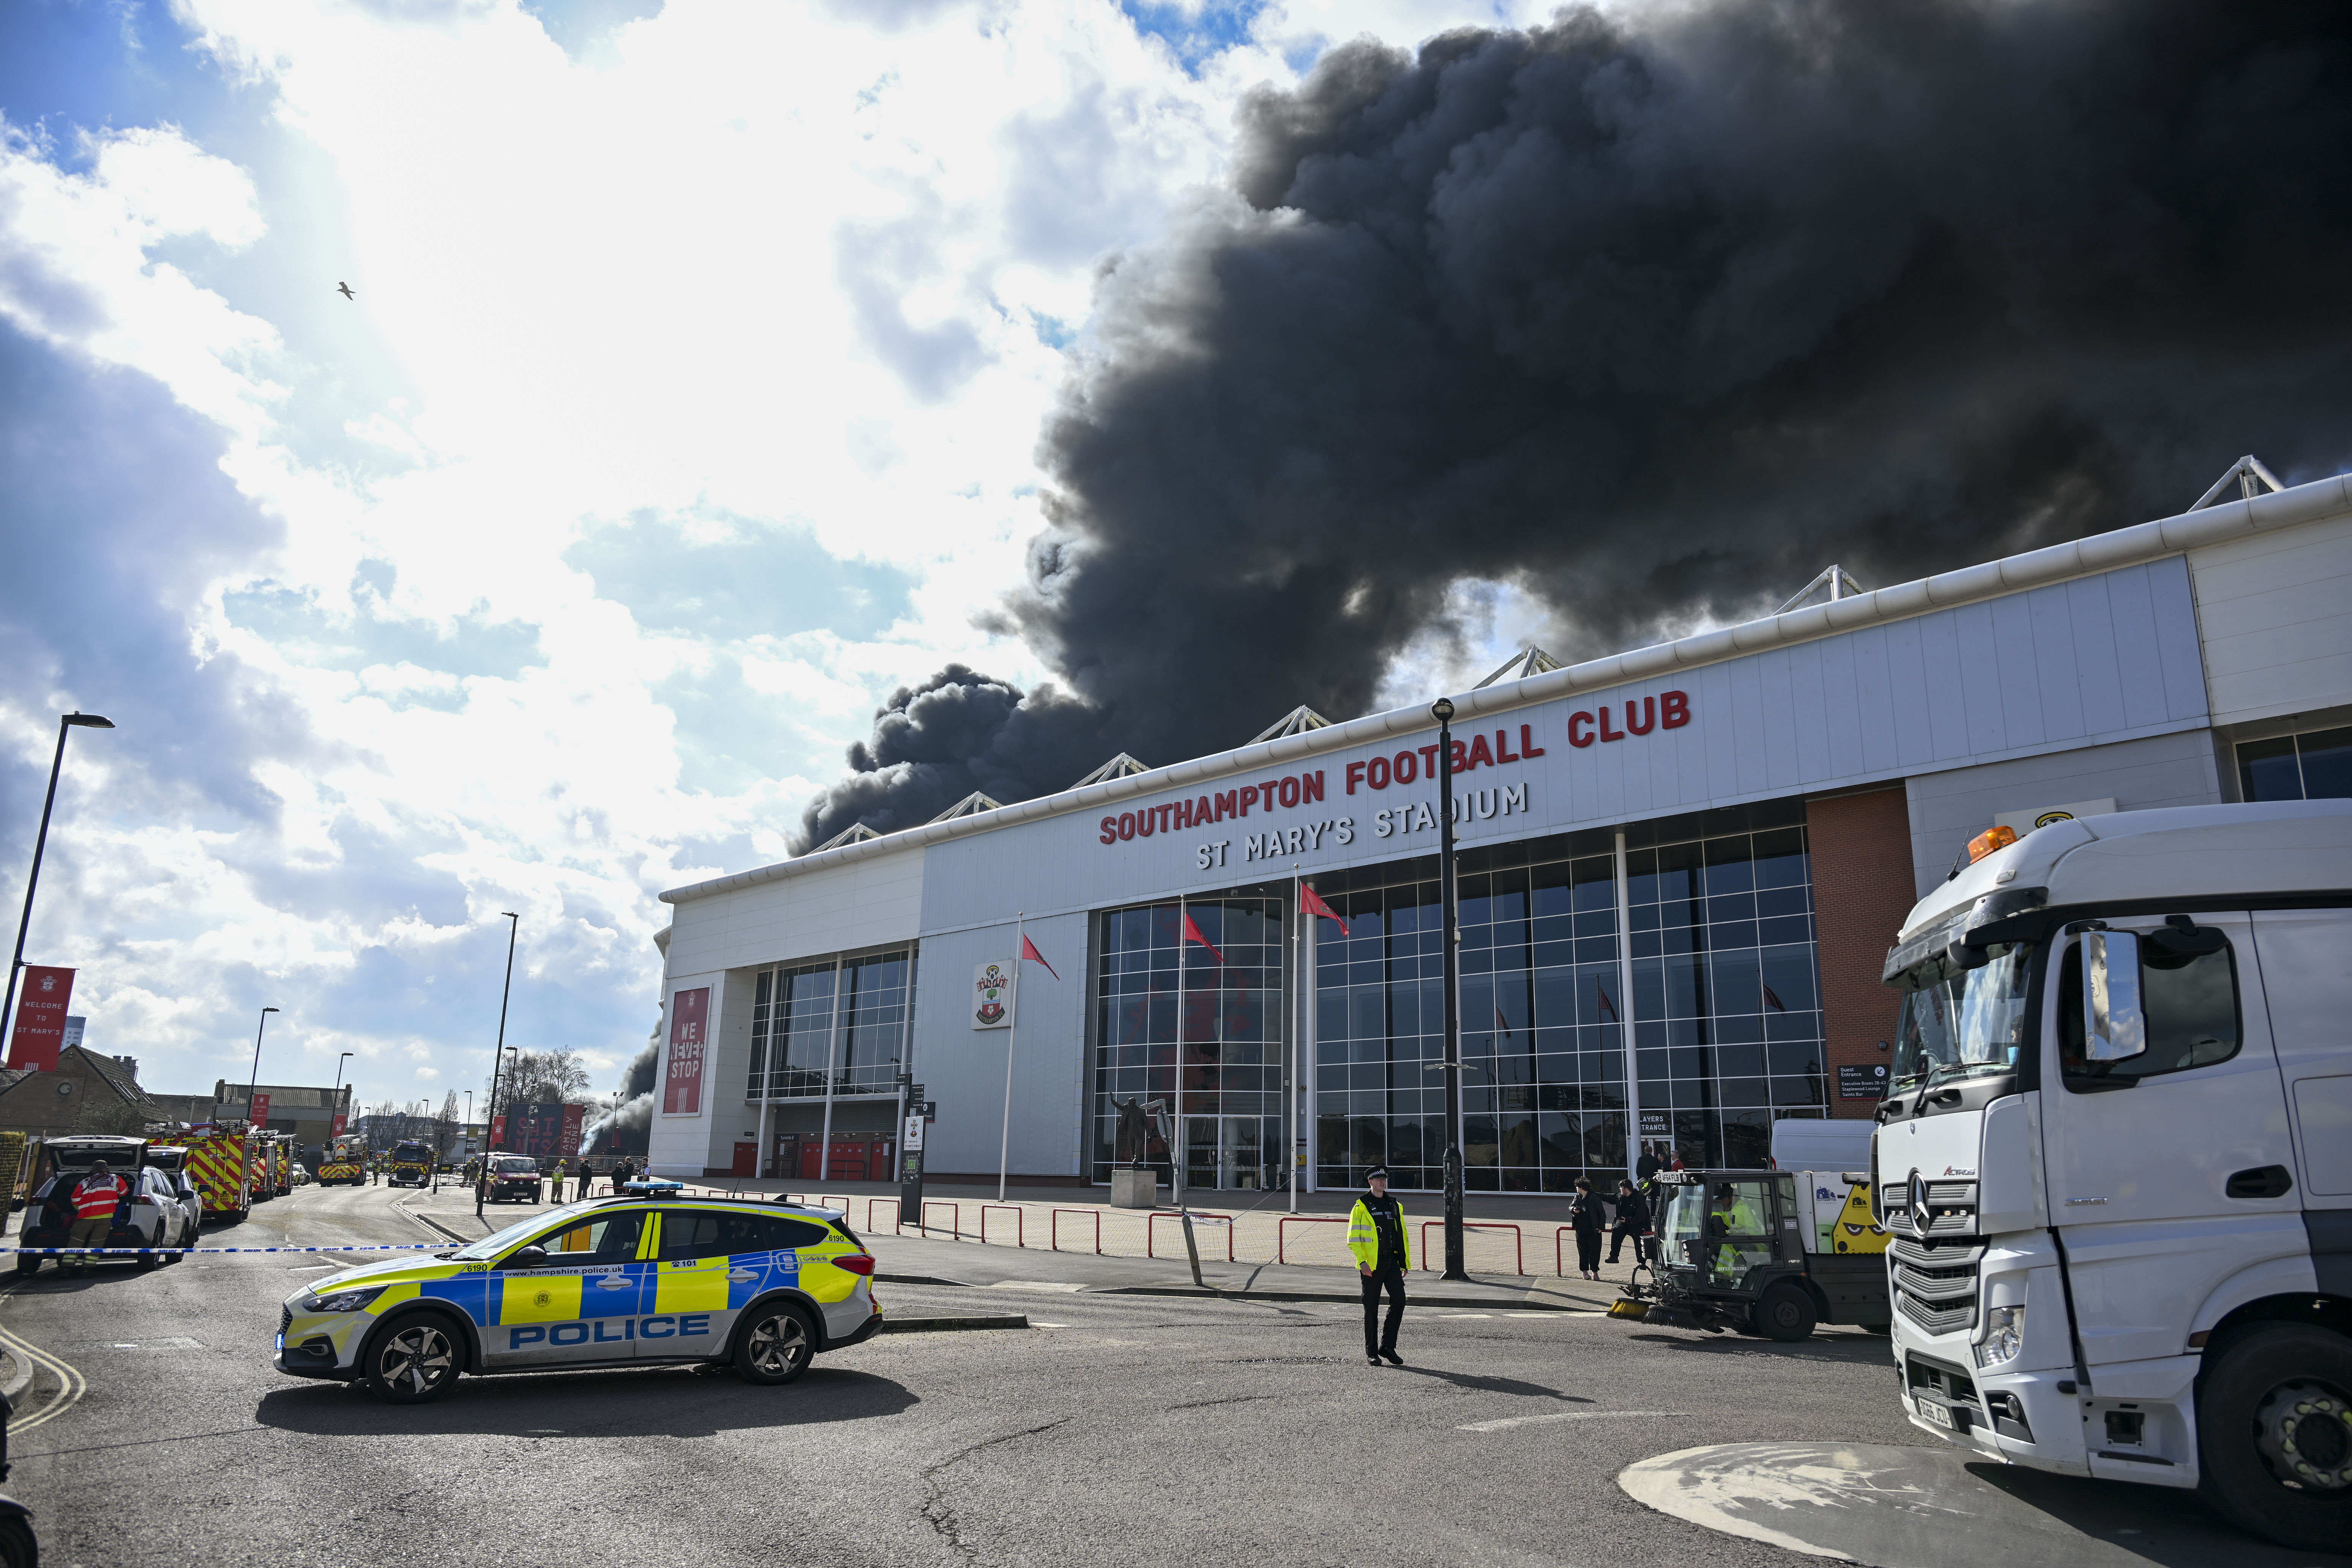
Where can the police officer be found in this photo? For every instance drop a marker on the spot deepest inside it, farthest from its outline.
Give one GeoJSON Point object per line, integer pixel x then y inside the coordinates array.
{"type": "Point", "coordinates": [1383, 1251]}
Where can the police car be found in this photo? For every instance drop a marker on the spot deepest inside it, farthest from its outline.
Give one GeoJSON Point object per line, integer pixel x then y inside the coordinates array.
{"type": "Point", "coordinates": [645, 1278]}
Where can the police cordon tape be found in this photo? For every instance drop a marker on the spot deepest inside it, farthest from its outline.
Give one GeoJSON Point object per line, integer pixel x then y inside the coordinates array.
{"type": "Point", "coordinates": [182, 1251]}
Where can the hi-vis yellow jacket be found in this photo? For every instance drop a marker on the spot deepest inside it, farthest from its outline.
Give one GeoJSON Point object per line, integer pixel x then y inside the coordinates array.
{"type": "Point", "coordinates": [1364, 1239]}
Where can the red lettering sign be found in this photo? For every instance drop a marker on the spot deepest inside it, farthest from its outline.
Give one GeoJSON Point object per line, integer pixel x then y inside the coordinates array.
{"type": "Point", "coordinates": [41, 1018]}
{"type": "Point", "coordinates": [689, 1037]}
{"type": "Point", "coordinates": [567, 1143]}
{"type": "Point", "coordinates": [498, 1131]}
{"type": "Point", "coordinates": [258, 1111]}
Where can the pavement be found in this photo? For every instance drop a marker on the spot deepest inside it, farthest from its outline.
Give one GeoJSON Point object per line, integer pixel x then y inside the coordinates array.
{"type": "Point", "coordinates": [1115, 1428]}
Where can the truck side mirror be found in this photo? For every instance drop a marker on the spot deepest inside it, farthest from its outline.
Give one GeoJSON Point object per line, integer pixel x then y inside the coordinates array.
{"type": "Point", "coordinates": [2114, 1029]}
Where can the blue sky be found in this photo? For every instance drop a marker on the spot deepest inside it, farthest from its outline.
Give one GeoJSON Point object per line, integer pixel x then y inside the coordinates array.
{"type": "Point", "coordinates": [688, 405]}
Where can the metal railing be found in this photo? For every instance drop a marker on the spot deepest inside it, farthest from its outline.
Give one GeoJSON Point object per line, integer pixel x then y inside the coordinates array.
{"type": "Point", "coordinates": [1019, 1233]}
{"type": "Point", "coordinates": [1519, 1243]}
{"type": "Point", "coordinates": [1053, 1231]}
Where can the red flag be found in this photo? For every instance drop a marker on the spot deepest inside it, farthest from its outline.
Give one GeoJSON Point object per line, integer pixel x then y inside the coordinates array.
{"type": "Point", "coordinates": [1774, 1001]}
{"type": "Point", "coordinates": [1192, 934]}
{"type": "Point", "coordinates": [1312, 902]}
{"type": "Point", "coordinates": [1607, 1006]}
{"type": "Point", "coordinates": [1029, 951]}
{"type": "Point", "coordinates": [1502, 1023]}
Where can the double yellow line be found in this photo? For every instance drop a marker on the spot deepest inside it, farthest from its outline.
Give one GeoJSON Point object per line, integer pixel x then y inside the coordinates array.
{"type": "Point", "coordinates": [69, 1381]}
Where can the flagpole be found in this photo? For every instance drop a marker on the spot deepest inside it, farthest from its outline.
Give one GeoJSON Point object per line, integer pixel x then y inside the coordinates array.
{"type": "Point", "coordinates": [1011, 1032]}
{"type": "Point", "coordinates": [1176, 1144]}
{"type": "Point", "coordinates": [1298, 1039]}
{"type": "Point", "coordinates": [1624, 1011]}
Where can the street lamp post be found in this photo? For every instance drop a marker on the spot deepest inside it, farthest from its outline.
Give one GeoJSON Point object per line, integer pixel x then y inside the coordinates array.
{"type": "Point", "coordinates": [74, 720]}
{"type": "Point", "coordinates": [253, 1085]}
{"type": "Point", "coordinates": [499, 1051]}
{"type": "Point", "coordinates": [1451, 942]}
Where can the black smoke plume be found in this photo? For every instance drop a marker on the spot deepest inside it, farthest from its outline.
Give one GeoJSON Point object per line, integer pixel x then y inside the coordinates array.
{"type": "Point", "coordinates": [628, 1128]}
{"type": "Point", "coordinates": [1654, 315]}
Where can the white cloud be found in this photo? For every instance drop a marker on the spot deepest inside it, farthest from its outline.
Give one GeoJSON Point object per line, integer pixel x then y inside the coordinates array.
{"type": "Point", "coordinates": [749, 261]}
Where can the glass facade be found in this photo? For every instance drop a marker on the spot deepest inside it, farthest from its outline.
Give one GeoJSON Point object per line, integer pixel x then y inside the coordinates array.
{"type": "Point", "coordinates": [1228, 1063]}
{"type": "Point", "coordinates": [2314, 765]}
{"type": "Point", "coordinates": [842, 1021]}
{"type": "Point", "coordinates": [1726, 1005]}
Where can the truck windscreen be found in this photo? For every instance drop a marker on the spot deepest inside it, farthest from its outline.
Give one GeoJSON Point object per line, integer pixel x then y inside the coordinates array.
{"type": "Point", "coordinates": [1964, 1025]}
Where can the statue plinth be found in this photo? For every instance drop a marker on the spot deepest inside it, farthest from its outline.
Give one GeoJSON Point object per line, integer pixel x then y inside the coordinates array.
{"type": "Point", "coordinates": [1132, 1189]}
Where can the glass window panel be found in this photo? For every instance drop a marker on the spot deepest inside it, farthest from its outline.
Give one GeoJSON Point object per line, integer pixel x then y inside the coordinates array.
{"type": "Point", "coordinates": [1738, 987]}
{"type": "Point", "coordinates": [1788, 974]}
{"type": "Point", "coordinates": [1678, 873]}
{"type": "Point", "coordinates": [1730, 865]}
{"type": "Point", "coordinates": [1642, 876]}
{"type": "Point", "coordinates": [2327, 756]}
{"type": "Point", "coordinates": [1780, 859]}
{"type": "Point", "coordinates": [2267, 770]}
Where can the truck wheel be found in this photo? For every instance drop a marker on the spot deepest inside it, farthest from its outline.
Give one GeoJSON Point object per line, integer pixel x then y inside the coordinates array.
{"type": "Point", "coordinates": [2274, 1436]}
{"type": "Point", "coordinates": [27, 1265]}
{"type": "Point", "coordinates": [1786, 1314]}
{"type": "Point", "coordinates": [411, 1360]}
{"type": "Point", "coordinates": [776, 1345]}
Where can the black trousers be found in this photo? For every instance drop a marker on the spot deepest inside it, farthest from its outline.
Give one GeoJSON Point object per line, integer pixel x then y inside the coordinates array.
{"type": "Point", "coordinates": [1393, 1280]}
{"type": "Point", "coordinates": [1587, 1249]}
{"type": "Point", "coordinates": [1617, 1238]}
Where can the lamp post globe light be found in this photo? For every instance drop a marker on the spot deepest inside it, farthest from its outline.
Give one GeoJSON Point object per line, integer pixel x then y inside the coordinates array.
{"type": "Point", "coordinates": [1443, 709]}
{"type": "Point", "coordinates": [74, 720]}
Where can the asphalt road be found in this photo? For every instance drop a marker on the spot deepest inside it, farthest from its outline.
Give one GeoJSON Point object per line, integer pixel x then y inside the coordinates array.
{"type": "Point", "coordinates": [1128, 1430]}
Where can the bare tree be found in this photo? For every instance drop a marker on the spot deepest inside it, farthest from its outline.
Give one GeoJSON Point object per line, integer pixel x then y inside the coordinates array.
{"type": "Point", "coordinates": [545, 1077]}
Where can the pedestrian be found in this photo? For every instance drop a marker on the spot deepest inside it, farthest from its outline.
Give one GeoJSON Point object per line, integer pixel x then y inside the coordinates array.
{"type": "Point", "coordinates": [94, 1198]}
{"type": "Point", "coordinates": [1648, 1165]}
{"type": "Point", "coordinates": [1634, 1220]}
{"type": "Point", "coordinates": [1590, 1218]}
{"type": "Point", "coordinates": [1383, 1251]}
{"type": "Point", "coordinates": [555, 1184]}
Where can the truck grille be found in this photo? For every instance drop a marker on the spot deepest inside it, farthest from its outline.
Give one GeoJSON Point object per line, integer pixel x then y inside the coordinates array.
{"type": "Point", "coordinates": [1935, 1283]}
{"type": "Point", "coordinates": [1950, 1209]}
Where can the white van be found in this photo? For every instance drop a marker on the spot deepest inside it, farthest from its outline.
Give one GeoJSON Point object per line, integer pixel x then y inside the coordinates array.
{"type": "Point", "coordinates": [1819, 1144]}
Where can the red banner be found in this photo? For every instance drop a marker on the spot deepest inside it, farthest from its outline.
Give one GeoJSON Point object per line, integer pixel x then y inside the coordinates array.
{"type": "Point", "coordinates": [259, 1113]}
{"type": "Point", "coordinates": [41, 1018]}
{"type": "Point", "coordinates": [339, 1118]}
{"type": "Point", "coordinates": [689, 1034]}
{"type": "Point", "coordinates": [567, 1143]}
{"type": "Point", "coordinates": [498, 1131]}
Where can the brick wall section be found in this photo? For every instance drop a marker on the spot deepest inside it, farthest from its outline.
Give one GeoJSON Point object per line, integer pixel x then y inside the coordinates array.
{"type": "Point", "coordinates": [1862, 887]}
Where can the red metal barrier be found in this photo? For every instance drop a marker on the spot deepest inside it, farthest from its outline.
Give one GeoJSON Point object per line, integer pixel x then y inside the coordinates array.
{"type": "Point", "coordinates": [1013, 1209]}
{"type": "Point", "coordinates": [1054, 1230]}
{"type": "Point", "coordinates": [830, 1200]}
{"type": "Point", "coordinates": [1152, 1225]}
{"type": "Point", "coordinates": [1280, 1228]}
{"type": "Point", "coordinates": [870, 1214]}
{"type": "Point", "coordinates": [1518, 1242]}
{"type": "Point", "coordinates": [955, 1222]}
{"type": "Point", "coordinates": [1559, 1251]}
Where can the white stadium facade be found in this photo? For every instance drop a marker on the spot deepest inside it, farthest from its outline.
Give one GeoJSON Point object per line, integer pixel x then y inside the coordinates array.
{"type": "Point", "coordinates": [1709, 844]}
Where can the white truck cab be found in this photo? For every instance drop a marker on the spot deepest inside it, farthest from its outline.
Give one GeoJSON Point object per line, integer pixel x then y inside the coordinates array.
{"type": "Point", "coordinates": [2114, 1161]}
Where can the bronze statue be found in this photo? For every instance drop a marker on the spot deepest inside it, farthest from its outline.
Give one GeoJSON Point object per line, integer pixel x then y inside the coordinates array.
{"type": "Point", "coordinates": [1133, 1141]}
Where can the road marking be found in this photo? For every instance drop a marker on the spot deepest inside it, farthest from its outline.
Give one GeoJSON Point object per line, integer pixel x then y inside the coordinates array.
{"type": "Point", "coordinates": [70, 1385]}
{"type": "Point", "coordinates": [1058, 1285]}
{"type": "Point", "coordinates": [1509, 1422]}
{"type": "Point", "coordinates": [1049, 1325]}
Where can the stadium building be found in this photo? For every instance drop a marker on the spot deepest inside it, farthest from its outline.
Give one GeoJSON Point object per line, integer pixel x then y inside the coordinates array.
{"type": "Point", "coordinates": [1680, 870]}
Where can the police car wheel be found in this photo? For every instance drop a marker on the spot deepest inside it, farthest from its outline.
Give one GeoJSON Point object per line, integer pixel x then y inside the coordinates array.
{"type": "Point", "coordinates": [776, 1346]}
{"type": "Point", "coordinates": [412, 1360]}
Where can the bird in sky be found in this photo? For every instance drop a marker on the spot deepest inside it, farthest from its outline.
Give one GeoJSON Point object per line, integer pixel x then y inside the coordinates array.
{"type": "Point", "coordinates": [345, 290]}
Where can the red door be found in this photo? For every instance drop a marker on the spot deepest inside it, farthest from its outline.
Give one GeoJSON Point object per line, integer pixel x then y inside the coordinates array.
{"type": "Point", "coordinates": [747, 1160]}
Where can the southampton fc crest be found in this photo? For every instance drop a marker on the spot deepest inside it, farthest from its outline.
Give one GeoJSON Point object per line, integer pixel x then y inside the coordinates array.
{"type": "Point", "coordinates": [992, 999]}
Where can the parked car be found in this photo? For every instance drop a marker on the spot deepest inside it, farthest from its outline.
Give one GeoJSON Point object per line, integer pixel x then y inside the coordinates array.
{"type": "Point", "coordinates": [157, 1214]}
{"type": "Point", "coordinates": [516, 1178]}
{"type": "Point", "coordinates": [170, 1162]}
